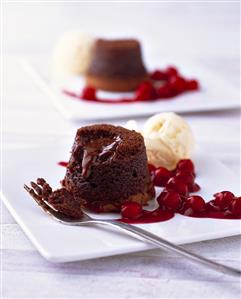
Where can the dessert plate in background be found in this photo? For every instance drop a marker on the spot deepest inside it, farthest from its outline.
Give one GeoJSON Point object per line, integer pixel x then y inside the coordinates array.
{"type": "Point", "coordinates": [215, 94]}
{"type": "Point", "coordinates": [60, 243]}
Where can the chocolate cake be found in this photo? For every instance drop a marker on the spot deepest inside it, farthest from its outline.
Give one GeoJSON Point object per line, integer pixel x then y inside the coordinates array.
{"type": "Point", "coordinates": [108, 166]}
{"type": "Point", "coordinates": [116, 65]}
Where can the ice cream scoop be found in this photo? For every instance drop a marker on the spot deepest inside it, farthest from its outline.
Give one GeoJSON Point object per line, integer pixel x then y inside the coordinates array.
{"type": "Point", "coordinates": [72, 54]}
{"type": "Point", "coordinates": [168, 139]}
{"type": "Point", "coordinates": [160, 154]}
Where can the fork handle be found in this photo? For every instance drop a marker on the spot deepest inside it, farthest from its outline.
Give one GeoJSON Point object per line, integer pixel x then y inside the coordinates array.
{"type": "Point", "coordinates": [164, 244]}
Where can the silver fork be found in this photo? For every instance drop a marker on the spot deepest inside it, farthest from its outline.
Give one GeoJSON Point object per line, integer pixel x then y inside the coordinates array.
{"type": "Point", "coordinates": [131, 229]}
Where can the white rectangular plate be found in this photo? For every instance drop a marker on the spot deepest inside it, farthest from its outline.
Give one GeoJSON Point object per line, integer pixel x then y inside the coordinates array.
{"type": "Point", "coordinates": [215, 94]}
{"type": "Point", "coordinates": [59, 243]}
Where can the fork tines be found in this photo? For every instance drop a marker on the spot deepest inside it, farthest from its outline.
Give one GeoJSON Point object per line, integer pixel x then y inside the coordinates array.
{"type": "Point", "coordinates": [35, 193]}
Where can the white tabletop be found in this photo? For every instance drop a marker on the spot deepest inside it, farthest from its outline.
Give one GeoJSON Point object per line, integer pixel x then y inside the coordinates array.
{"type": "Point", "coordinates": [29, 120]}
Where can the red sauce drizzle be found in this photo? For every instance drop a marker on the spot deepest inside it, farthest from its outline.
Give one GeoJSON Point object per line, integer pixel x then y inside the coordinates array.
{"type": "Point", "coordinates": [157, 215]}
{"type": "Point", "coordinates": [63, 163]}
{"type": "Point", "coordinates": [160, 215]}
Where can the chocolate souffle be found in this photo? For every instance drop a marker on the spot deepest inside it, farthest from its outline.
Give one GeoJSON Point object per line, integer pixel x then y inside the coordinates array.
{"type": "Point", "coordinates": [116, 65]}
{"type": "Point", "coordinates": [108, 166]}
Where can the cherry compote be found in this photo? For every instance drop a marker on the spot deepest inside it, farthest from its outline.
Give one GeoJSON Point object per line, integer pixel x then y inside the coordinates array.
{"type": "Point", "coordinates": [170, 200]}
{"type": "Point", "coordinates": [161, 84]}
{"type": "Point", "coordinates": [161, 177]}
{"type": "Point", "coordinates": [177, 185]}
{"type": "Point", "coordinates": [131, 210]}
{"type": "Point", "coordinates": [223, 199]}
{"type": "Point", "coordinates": [186, 165]}
{"type": "Point", "coordinates": [175, 198]}
{"type": "Point", "coordinates": [195, 202]}
{"type": "Point", "coordinates": [235, 206]}
{"type": "Point", "coordinates": [151, 169]}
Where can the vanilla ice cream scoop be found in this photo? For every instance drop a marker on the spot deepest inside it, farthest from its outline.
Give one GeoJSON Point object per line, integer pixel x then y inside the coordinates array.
{"type": "Point", "coordinates": [168, 139]}
{"type": "Point", "coordinates": [72, 54]}
{"type": "Point", "coordinates": [160, 154]}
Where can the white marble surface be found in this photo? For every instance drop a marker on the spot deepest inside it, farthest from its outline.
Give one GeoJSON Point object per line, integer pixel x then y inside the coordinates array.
{"type": "Point", "coordinates": [208, 33]}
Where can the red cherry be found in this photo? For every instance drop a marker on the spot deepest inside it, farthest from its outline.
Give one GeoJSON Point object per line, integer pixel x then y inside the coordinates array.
{"type": "Point", "coordinates": [223, 199]}
{"type": "Point", "coordinates": [178, 186]}
{"type": "Point", "coordinates": [171, 71]}
{"type": "Point", "coordinates": [164, 91]}
{"type": "Point", "coordinates": [189, 179]}
{"type": "Point", "coordinates": [145, 92]}
{"type": "Point", "coordinates": [170, 200]}
{"type": "Point", "coordinates": [192, 85]}
{"type": "Point", "coordinates": [89, 93]}
{"type": "Point", "coordinates": [158, 75]}
{"type": "Point", "coordinates": [188, 212]}
{"type": "Point", "coordinates": [173, 92]}
{"type": "Point", "coordinates": [185, 176]}
{"type": "Point", "coordinates": [131, 210]}
{"type": "Point", "coordinates": [196, 203]}
{"type": "Point", "coordinates": [178, 84]}
{"type": "Point", "coordinates": [194, 187]}
{"type": "Point", "coordinates": [162, 175]}
{"type": "Point", "coordinates": [151, 169]}
{"type": "Point", "coordinates": [236, 206]}
{"type": "Point", "coordinates": [186, 165]}
{"type": "Point", "coordinates": [211, 207]}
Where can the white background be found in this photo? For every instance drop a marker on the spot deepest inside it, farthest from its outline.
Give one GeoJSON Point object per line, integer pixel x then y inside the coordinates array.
{"type": "Point", "coordinates": [208, 33]}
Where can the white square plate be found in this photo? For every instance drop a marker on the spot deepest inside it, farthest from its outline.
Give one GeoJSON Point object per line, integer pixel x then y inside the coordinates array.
{"type": "Point", "coordinates": [215, 94]}
{"type": "Point", "coordinates": [59, 243]}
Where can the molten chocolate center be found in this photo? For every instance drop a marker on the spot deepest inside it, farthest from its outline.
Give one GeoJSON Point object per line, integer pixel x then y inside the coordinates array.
{"type": "Point", "coordinates": [99, 149]}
